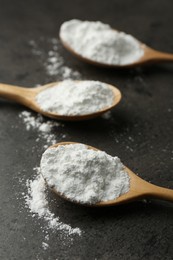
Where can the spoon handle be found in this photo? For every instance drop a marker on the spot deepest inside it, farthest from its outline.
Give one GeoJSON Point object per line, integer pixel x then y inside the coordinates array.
{"type": "Point", "coordinates": [14, 93]}
{"type": "Point", "coordinates": [161, 193]}
{"type": "Point", "coordinates": [157, 56]}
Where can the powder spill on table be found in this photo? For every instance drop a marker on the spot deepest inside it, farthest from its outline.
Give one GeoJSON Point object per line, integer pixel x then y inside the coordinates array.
{"type": "Point", "coordinates": [43, 127]}
{"type": "Point", "coordinates": [52, 61]}
{"type": "Point", "coordinates": [37, 202]}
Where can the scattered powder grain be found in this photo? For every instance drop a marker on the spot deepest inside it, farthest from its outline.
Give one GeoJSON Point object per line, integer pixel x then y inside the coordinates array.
{"type": "Point", "coordinates": [107, 115]}
{"type": "Point", "coordinates": [76, 97]}
{"type": "Point", "coordinates": [84, 175]}
{"type": "Point", "coordinates": [45, 245]}
{"type": "Point", "coordinates": [99, 42]}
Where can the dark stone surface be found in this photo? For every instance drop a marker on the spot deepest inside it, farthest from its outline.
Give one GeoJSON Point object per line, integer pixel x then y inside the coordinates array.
{"type": "Point", "coordinates": [139, 132]}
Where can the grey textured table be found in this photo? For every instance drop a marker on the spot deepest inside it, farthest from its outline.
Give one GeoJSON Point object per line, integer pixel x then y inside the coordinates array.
{"type": "Point", "coordinates": [139, 131]}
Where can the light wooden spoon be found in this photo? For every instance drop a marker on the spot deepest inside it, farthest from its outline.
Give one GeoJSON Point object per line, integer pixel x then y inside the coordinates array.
{"type": "Point", "coordinates": [149, 56]}
{"type": "Point", "coordinates": [27, 97]}
{"type": "Point", "coordinates": [139, 189]}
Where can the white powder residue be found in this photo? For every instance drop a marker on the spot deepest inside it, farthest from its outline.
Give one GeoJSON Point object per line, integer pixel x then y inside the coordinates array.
{"type": "Point", "coordinates": [52, 60]}
{"type": "Point", "coordinates": [84, 175]}
{"type": "Point", "coordinates": [107, 115]}
{"type": "Point", "coordinates": [55, 66]}
{"type": "Point", "coordinates": [45, 245]}
{"type": "Point", "coordinates": [76, 97]}
{"type": "Point", "coordinates": [43, 127]}
{"type": "Point", "coordinates": [99, 42]}
{"type": "Point", "coordinates": [37, 202]}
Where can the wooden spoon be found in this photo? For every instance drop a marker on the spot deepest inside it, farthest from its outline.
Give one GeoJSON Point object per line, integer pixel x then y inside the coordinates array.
{"type": "Point", "coordinates": [139, 189]}
{"type": "Point", "coordinates": [27, 97]}
{"type": "Point", "coordinates": [149, 56]}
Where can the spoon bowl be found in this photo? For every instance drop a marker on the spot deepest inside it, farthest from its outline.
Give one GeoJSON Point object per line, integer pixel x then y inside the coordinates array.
{"type": "Point", "coordinates": [139, 188]}
{"type": "Point", "coordinates": [149, 56]}
{"type": "Point", "coordinates": [27, 97]}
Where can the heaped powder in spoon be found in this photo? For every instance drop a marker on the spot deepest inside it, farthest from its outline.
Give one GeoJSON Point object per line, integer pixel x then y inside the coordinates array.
{"type": "Point", "coordinates": [99, 42]}
{"type": "Point", "coordinates": [84, 175]}
{"type": "Point", "coordinates": [76, 97]}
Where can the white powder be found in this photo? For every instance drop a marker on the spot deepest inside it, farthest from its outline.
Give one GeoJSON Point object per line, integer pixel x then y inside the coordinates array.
{"type": "Point", "coordinates": [107, 115]}
{"type": "Point", "coordinates": [55, 66]}
{"type": "Point", "coordinates": [84, 175]}
{"type": "Point", "coordinates": [38, 204]}
{"type": "Point", "coordinates": [99, 42]}
{"type": "Point", "coordinates": [53, 62]}
{"type": "Point", "coordinates": [43, 127]}
{"type": "Point", "coordinates": [45, 245]}
{"type": "Point", "coordinates": [76, 97]}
